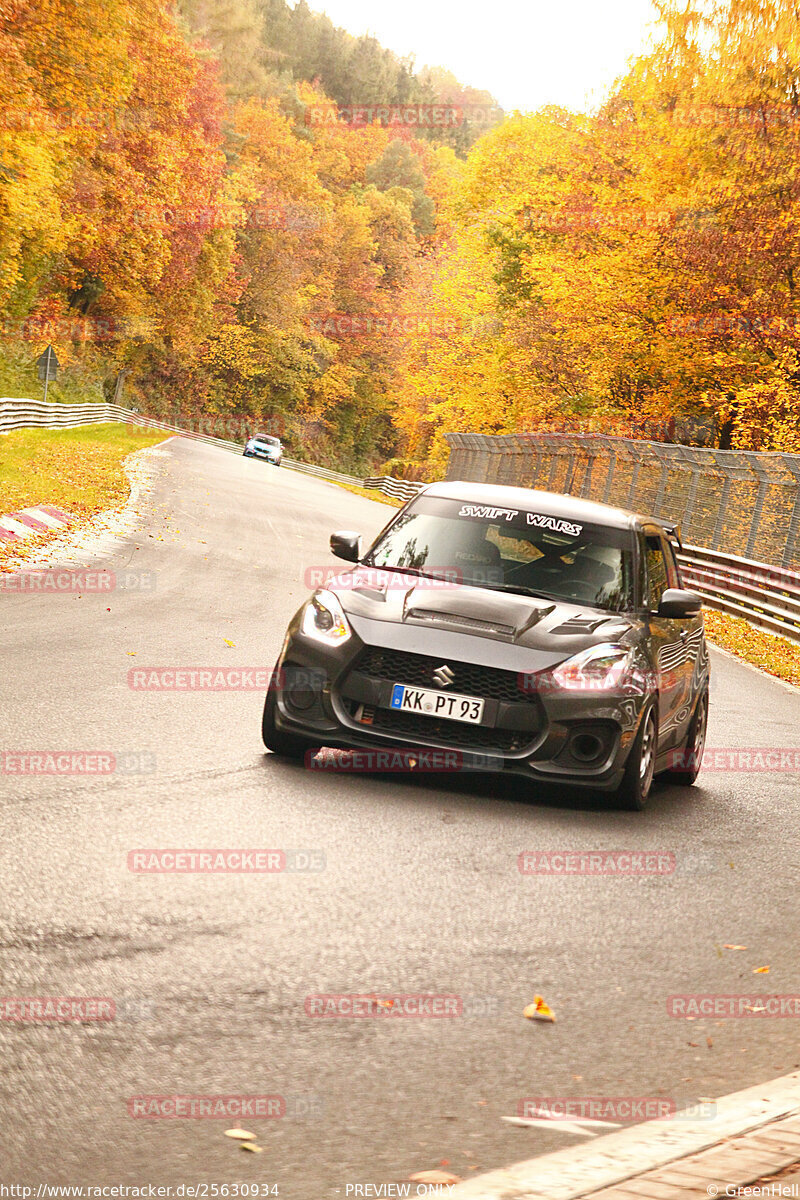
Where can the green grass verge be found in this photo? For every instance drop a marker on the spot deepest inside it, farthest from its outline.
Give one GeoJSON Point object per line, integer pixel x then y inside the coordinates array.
{"type": "Point", "coordinates": [79, 470]}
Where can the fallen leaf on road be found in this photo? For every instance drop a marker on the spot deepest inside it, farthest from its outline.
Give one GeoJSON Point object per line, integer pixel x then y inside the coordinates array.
{"type": "Point", "coordinates": [709, 1042]}
{"type": "Point", "coordinates": [252, 1147]}
{"type": "Point", "coordinates": [131, 653]}
{"type": "Point", "coordinates": [434, 1177]}
{"type": "Point", "coordinates": [727, 946]}
{"type": "Point", "coordinates": [539, 1010]}
{"type": "Point", "coordinates": [242, 1134]}
{"type": "Point", "coordinates": [228, 643]}
{"type": "Point", "coordinates": [761, 970]}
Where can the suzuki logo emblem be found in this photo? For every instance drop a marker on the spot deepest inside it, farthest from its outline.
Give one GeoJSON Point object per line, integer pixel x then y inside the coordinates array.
{"type": "Point", "coordinates": [444, 676]}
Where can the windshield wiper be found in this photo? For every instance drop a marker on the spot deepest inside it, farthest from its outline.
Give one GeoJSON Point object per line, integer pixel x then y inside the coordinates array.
{"type": "Point", "coordinates": [406, 571]}
{"type": "Point", "coordinates": [518, 590]}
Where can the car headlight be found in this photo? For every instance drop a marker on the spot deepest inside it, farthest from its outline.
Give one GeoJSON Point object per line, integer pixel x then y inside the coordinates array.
{"type": "Point", "coordinates": [324, 619]}
{"type": "Point", "coordinates": [600, 668]}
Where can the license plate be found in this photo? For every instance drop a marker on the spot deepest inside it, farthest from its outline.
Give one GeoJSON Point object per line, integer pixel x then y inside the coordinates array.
{"type": "Point", "coordinates": [437, 704]}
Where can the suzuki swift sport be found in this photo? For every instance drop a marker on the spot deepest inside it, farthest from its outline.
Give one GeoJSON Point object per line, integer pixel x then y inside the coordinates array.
{"type": "Point", "coordinates": [525, 632]}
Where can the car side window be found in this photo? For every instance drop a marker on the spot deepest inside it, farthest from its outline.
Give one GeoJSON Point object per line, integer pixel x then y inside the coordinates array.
{"type": "Point", "coordinates": [657, 576]}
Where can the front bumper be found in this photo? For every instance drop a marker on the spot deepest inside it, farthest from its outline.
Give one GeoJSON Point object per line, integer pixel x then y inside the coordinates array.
{"type": "Point", "coordinates": [339, 697]}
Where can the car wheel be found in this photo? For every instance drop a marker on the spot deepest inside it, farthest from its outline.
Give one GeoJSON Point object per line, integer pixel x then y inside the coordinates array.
{"type": "Point", "coordinates": [287, 745]}
{"type": "Point", "coordinates": [692, 752]}
{"type": "Point", "coordinates": [640, 767]}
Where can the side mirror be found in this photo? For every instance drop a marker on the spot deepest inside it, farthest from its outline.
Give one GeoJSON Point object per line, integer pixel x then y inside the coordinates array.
{"type": "Point", "coordinates": [346, 545]}
{"type": "Point", "coordinates": [680, 604]}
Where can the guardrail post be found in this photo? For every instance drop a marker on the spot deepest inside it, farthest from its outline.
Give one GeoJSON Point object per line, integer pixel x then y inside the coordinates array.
{"type": "Point", "coordinates": [763, 484]}
{"type": "Point", "coordinates": [723, 508]}
{"type": "Point", "coordinates": [612, 462]}
{"type": "Point", "coordinates": [790, 550]}
{"type": "Point", "coordinates": [662, 488]}
{"type": "Point", "coordinates": [634, 480]}
{"type": "Point", "coordinates": [586, 489]}
{"type": "Point", "coordinates": [688, 511]}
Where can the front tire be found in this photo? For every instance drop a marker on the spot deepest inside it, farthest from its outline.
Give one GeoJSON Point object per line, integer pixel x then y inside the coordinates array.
{"type": "Point", "coordinates": [692, 753]}
{"type": "Point", "coordinates": [640, 767]}
{"type": "Point", "coordinates": [287, 745]}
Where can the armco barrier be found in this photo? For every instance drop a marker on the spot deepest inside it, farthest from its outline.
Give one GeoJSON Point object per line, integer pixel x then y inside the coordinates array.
{"type": "Point", "coordinates": [765, 596]}
{"type": "Point", "coordinates": [400, 489]}
{"type": "Point", "coordinates": [26, 414]}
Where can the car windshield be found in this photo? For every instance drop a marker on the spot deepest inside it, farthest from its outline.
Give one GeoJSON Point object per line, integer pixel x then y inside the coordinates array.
{"type": "Point", "coordinates": [259, 440]}
{"type": "Point", "coordinates": [515, 550]}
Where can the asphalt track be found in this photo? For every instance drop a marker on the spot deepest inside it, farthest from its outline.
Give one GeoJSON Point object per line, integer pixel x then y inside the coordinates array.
{"type": "Point", "coordinates": [421, 892]}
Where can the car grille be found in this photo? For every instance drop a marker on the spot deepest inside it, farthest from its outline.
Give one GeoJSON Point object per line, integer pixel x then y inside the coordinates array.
{"type": "Point", "coordinates": [398, 666]}
{"type": "Point", "coordinates": [449, 733]}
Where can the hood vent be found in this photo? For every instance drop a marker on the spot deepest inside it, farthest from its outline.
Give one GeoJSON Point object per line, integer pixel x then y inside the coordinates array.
{"type": "Point", "coordinates": [457, 621]}
{"type": "Point", "coordinates": [580, 625]}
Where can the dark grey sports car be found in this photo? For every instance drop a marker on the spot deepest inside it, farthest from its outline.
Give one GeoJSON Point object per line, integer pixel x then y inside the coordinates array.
{"type": "Point", "coordinates": [516, 630]}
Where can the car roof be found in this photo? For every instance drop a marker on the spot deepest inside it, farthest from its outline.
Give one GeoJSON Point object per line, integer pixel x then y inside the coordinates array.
{"type": "Point", "coordinates": [553, 504]}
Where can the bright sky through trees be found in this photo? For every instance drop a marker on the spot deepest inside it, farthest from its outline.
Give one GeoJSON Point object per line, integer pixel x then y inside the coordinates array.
{"type": "Point", "coordinates": [525, 52]}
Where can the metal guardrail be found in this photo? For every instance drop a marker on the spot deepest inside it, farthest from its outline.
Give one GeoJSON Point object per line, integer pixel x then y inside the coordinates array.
{"type": "Point", "coordinates": [27, 414]}
{"type": "Point", "coordinates": [399, 489]}
{"type": "Point", "coordinates": [766, 596]}
{"type": "Point", "coordinates": [36, 414]}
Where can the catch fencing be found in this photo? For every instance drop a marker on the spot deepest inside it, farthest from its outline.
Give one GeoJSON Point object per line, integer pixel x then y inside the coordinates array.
{"type": "Point", "coordinates": [739, 511]}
